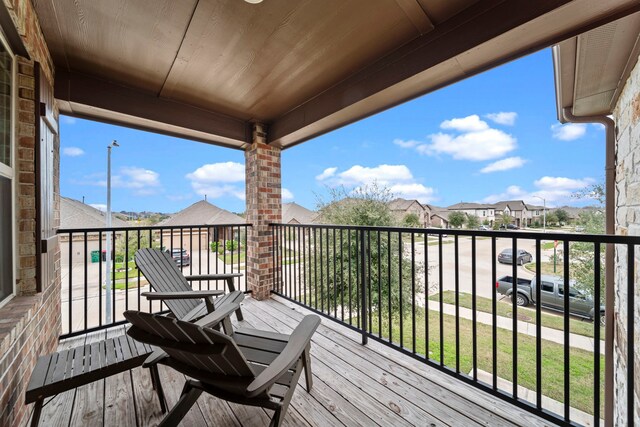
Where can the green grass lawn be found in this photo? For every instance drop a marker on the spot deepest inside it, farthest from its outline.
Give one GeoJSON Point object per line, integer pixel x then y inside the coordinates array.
{"type": "Point", "coordinates": [576, 326]}
{"type": "Point", "coordinates": [227, 259]}
{"type": "Point", "coordinates": [580, 365]}
{"type": "Point", "coordinates": [546, 268]}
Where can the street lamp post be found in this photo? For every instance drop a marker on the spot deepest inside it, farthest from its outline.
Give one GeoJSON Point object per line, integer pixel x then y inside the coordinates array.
{"type": "Point", "coordinates": [544, 213]}
{"type": "Point", "coordinates": [108, 242]}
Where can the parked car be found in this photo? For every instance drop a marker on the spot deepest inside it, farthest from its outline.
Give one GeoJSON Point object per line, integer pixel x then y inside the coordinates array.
{"type": "Point", "coordinates": [484, 228]}
{"type": "Point", "coordinates": [552, 296]}
{"type": "Point", "coordinates": [180, 256]}
{"type": "Point", "coordinates": [509, 227]}
{"type": "Point", "coordinates": [506, 257]}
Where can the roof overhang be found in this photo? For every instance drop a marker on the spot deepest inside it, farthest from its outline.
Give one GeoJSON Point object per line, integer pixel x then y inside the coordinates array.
{"type": "Point", "coordinates": [207, 70]}
{"type": "Point", "coordinates": [591, 69]}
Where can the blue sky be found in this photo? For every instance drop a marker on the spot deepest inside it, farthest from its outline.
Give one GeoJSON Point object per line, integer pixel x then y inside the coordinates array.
{"type": "Point", "coordinates": [491, 137]}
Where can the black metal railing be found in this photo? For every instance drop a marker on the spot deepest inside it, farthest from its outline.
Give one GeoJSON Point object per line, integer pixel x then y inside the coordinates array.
{"type": "Point", "coordinates": [201, 249]}
{"type": "Point", "coordinates": [432, 294]}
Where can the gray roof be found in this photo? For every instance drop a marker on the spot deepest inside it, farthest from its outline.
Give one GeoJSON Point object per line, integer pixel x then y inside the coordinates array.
{"type": "Point", "coordinates": [463, 206]}
{"type": "Point", "coordinates": [536, 207]}
{"type": "Point", "coordinates": [400, 204]}
{"type": "Point", "coordinates": [202, 213]}
{"type": "Point", "coordinates": [514, 205]}
{"type": "Point", "coordinates": [293, 212]}
{"type": "Point", "coordinates": [442, 213]}
{"type": "Point", "coordinates": [75, 214]}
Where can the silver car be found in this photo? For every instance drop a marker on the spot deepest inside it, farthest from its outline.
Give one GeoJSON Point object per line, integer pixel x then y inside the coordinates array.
{"type": "Point", "coordinates": [506, 257]}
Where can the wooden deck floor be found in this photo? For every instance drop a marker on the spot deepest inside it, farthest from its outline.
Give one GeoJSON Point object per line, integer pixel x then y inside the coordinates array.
{"type": "Point", "coordinates": [353, 385]}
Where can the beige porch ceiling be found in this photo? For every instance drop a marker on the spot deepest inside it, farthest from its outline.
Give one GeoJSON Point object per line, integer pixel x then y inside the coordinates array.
{"type": "Point", "coordinates": [205, 69]}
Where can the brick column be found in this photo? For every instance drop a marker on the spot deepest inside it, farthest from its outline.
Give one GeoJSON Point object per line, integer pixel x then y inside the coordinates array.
{"type": "Point", "coordinates": [264, 206]}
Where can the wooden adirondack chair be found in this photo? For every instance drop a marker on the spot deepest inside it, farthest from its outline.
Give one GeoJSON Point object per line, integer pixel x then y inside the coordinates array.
{"type": "Point", "coordinates": [173, 288]}
{"type": "Point", "coordinates": [250, 367]}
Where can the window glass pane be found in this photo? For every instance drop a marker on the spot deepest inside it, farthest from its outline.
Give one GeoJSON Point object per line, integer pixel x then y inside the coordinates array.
{"type": "Point", "coordinates": [547, 287]}
{"type": "Point", "coordinates": [5, 106]}
{"type": "Point", "coordinates": [6, 233]}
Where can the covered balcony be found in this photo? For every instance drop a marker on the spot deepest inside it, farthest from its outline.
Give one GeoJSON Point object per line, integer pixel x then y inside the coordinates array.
{"type": "Point", "coordinates": [412, 333]}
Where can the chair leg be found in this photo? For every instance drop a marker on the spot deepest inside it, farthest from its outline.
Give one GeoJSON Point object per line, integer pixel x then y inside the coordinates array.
{"type": "Point", "coordinates": [239, 315]}
{"type": "Point", "coordinates": [306, 363]}
{"type": "Point", "coordinates": [155, 379]}
{"type": "Point", "coordinates": [37, 409]}
{"type": "Point", "coordinates": [276, 420]}
{"type": "Point", "coordinates": [282, 410]}
{"type": "Point", "coordinates": [187, 399]}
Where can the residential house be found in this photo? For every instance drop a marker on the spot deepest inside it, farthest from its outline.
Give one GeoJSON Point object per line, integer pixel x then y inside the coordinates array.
{"type": "Point", "coordinates": [77, 215]}
{"type": "Point", "coordinates": [158, 66]}
{"type": "Point", "coordinates": [484, 212]}
{"type": "Point", "coordinates": [201, 222]}
{"type": "Point", "coordinates": [403, 207]}
{"type": "Point", "coordinates": [293, 213]}
{"type": "Point", "coordinates": [517, 209]}
{"type": "Point", "coordinates": [535, 213]}
{"type": "Point", "coordinates": [440, 218]}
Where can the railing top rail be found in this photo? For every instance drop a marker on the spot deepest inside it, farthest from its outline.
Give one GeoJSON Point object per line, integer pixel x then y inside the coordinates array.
{"type": "Point", "coordinates": [590, 238]}
{"type": "Point", "coordinates": [148, 227]}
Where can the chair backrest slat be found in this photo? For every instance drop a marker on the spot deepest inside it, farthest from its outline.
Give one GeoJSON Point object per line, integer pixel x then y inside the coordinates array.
{"type": "Point", "coordinates": [164, 276]}
{"type": "Point", "coordinates": [216, 353]}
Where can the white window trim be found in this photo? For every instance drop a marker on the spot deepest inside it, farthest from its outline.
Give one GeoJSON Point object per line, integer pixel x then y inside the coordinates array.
{"type": "Point", "coordinates": [9, 172]}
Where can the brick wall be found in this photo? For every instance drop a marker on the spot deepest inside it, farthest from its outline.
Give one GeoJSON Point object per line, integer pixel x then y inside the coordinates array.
{"type": "Point", "coordinates": [30, 323]}
{"type": "Point", "coordinates": [264, 206]}
{"type": "Point", "coordinates": [627, 118]}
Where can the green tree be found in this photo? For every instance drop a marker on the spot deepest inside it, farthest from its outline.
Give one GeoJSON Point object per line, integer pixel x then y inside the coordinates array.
{"type": "Point", "coordinates": [457, 219]}
{"type": "Point", "coordinates": [473, 221]}
{"type": "Point", "coordinates": [552, 218]}
{"type": "Point", "coordinates": [562, 216]}
{"type": "Point", "coordinates": [503, 219]}
{"type": "Point", "coordinates": [121, 246]}
{"type": "Point", "coordinates": [582, 254]}
{"type": "Point", "coordinates": [333, 273]}
{"type": "Point", "coordinates": [411, 220]}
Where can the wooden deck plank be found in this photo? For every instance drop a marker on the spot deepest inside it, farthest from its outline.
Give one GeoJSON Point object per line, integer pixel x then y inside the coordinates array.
{"type": "Point", "coordinates": [353, 385]}
{"type": "Point", "coordinates": [446, 389]}
{"type": "Point", "coordinates": [353, 395]}
{"type": "Point", "coordinates": [89, 406]}
{"type": "Point", "coordinates": [57, 410]}
{"type": "Point", "coordinates": [119, 398]}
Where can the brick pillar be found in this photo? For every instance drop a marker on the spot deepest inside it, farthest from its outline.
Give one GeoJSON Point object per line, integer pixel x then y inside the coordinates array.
{"type": "Point", "coordinates": [264, 206]}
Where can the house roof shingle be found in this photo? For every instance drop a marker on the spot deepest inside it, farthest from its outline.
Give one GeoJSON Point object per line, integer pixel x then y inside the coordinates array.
{"type": "Point", "coordinates": [294, 212]}
{"type": "Point", "coordinates": [202, 213]}
{"type": "Point", "coordinates": [75, 214]}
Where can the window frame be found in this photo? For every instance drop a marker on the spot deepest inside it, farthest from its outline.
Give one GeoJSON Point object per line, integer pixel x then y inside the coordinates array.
{"type": "Point", "coordinates": [10, 171]}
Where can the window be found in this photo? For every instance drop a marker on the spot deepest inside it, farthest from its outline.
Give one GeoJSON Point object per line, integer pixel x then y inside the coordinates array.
{"type": "Point", "coordinates": [547, 287]}
{"type": "Point", "coordinates": [484, 213]}
{"type": "Point", "coordinates": [7, 261]}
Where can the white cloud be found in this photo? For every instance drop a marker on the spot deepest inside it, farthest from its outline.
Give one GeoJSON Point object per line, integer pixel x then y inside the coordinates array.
{"type": "Point", "coordinates": [383, 174]}
{"type": "Point", "coordinates": [72, 151]}
{"type": "Point", "coordinates": [466, 124]}
{"type": "Point", "coordinates": [413, 191]}
{"type": "Point", "coordinates": [476, 146]}
{"type": "Point", "coordinates": [68, 120]}
{"type": "Point", "coordinates": [475, 140]}
{"type": "Point", "coordinates": [504, 164]}
{"type": "Point", "coordinates": [287, 194]}
{"type": "Point", "coordinates": [218, 172]}
{"type": "Point", "coordinates": [569, 131]}
{"type": "Point", "coordinates": [99, 206]}
{"type": "Point", "coordinates": [398, 178]}
{"type": "Point", "coordinates": [327, 173]}
{"type": "Point", "coordinates": [503, 118]}
{"type": "Point", "coordinates": [143, 182]}
{"type": "Point", "coordinates": [555, 190]}
{"type": "Point", "coordinates": [216, 180]}
{"type": "Point", "coordinates": [406, 144]}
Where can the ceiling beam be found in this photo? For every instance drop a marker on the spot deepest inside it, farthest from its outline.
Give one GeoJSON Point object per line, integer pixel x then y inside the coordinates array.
{"type": "Point", "coordinates": [478, 24]}
{"type": "Point", "coordinates": [416, 15]}
{"type": "Point", "coordinates": [88, 97]}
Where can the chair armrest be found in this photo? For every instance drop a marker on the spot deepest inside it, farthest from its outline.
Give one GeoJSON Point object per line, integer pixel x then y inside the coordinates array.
{"type": "Point", "coordinates": [218, 315]}
{"type": "Point", "coordinates": [213, 276]}
{"type": "Point", "coordinates": [226, 276]}
{"type": "Point", "coordinates": [298, 341]}
{"type": "Point", "coordinates": [181, 295]}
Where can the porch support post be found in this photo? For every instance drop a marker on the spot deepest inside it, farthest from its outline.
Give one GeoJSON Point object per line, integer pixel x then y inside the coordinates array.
{"type": "Point", "coordinates": [264, 206]}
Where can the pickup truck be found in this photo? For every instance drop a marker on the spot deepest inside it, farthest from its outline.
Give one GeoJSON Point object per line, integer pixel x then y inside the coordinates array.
{"type": "Point", "coordinates": [552, 296]}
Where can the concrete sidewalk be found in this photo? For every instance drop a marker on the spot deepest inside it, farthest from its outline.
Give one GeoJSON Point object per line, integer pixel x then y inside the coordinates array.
{"type": "Point", "coordinates": [549, 334]}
